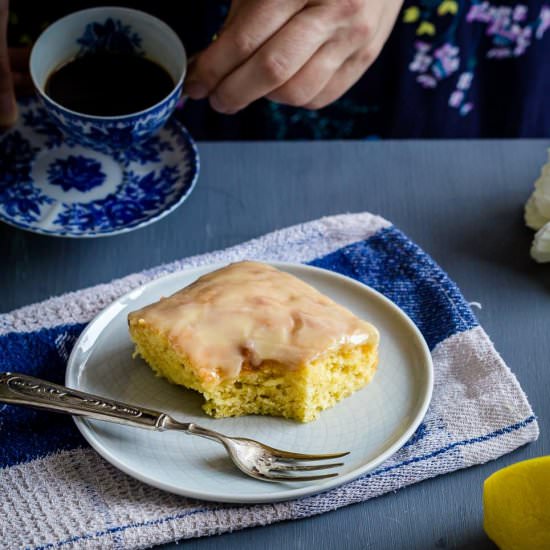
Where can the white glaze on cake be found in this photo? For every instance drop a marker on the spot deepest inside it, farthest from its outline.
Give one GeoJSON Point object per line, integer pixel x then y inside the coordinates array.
{"type": "Point", "coordinates": [249, 313]}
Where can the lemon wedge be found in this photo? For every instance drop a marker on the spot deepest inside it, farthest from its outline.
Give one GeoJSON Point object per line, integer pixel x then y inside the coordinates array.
{"type": "Point", "coordinates": [516, 505]}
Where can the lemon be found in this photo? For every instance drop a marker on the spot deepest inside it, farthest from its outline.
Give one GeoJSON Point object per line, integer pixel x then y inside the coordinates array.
{"type": "Point", "coordinates": [516, 505]}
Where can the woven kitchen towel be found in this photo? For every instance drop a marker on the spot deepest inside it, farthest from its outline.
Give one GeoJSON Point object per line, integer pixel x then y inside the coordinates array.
{"type": "Point", "coordinates": [57, 492]}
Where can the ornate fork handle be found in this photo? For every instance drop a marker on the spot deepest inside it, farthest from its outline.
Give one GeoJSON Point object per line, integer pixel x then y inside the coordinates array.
{"type": "Point", "coordinates": [251, 457]}
{"type": "Point", "coordinates": [20, 389]}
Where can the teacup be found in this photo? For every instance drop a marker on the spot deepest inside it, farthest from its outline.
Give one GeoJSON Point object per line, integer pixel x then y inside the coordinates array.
{"type": "Point", "coordinates": [108, 28]}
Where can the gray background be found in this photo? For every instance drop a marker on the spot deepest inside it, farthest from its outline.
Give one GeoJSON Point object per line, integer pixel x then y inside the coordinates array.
{"type": "Point", "coordinates": [461, 201]}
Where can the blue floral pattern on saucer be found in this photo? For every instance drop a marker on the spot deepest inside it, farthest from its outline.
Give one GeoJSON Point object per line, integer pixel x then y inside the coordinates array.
{"type": "Point", "coordinates": [76, 172]}
{"type": "Point", "coordinates": [49, 184]}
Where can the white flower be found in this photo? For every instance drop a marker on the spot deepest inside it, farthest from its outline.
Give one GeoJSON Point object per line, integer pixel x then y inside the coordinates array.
{"type": "Point", "coordinates": [540, 249]}
{"type": "Point", "coordinates": [537, 209]}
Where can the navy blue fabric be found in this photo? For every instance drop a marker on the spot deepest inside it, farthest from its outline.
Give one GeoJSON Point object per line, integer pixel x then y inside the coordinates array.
{"type": "Point", "coordinates": [450, 69]}
{"type": "Point", "coordinates": [388, 262]}
{"type": "Point", "coordinates": [399, 269]}
{"type": "Point", "coordinates": [26, 434]}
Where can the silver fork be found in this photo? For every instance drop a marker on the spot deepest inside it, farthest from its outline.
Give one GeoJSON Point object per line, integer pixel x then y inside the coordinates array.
{"type": "Point", "coordinates": [251, 457]}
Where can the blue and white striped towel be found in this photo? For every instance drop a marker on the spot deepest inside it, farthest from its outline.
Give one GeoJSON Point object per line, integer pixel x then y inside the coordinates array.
{"type": "Point", "coordinates": [57, 492]}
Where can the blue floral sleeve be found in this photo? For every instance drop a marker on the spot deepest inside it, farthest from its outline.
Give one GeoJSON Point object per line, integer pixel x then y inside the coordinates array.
{"type": "Point", "coordinates": [450, 69]}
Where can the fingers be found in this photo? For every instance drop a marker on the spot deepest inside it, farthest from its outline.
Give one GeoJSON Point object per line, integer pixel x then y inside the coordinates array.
{"type": "Point", "coordinates": [346, 76]}
{"type": "Point", "coordinates": [19, 61]}
{"type": "Point", "coordinates": [277, 61]}
{"type": "Point", "coordinates": [297, 52]}
{"type": "Point", "coordinates": [22, 84]}
{"type": "Point", "coordinates": [310, 80]}
{"type": "Point", "coordinates": [249, 25]}
{"type": "Point", "coordinates": [19, 58]}
{"type": "Point", "coordinates": [356, 65]}
{"type": "Point", "coordinates": [8, 107]}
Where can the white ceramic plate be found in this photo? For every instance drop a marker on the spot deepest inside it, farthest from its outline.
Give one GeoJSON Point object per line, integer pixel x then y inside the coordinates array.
{"type": "Point", "coordinates": [373, 423]}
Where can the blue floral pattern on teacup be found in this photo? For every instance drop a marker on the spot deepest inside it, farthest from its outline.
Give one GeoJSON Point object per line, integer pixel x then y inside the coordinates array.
{"type": "Point", "coordinates": [111, 36]}
{"type": "Point", "coordinates": [127, 151]}
{"type": "Point", "coordinates": [111, 134]}
{"type": "Point", "coordinates": [76, 172]}
{"type": "Point", "coordinates": [43, 124]}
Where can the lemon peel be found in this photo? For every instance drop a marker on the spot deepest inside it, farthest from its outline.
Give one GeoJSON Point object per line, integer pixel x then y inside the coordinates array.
{"type": "Point", "coordinates": [516, 505]}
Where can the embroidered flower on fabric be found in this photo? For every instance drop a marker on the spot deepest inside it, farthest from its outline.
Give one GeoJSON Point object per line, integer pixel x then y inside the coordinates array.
{"type": "Point", "coordinates": [459, 97]}
{"type": "Point", "coordinates": [337, 120]}
{"type": "Point", "coordinates": [425, 28]}
{"type": "Point", "coordinates": [411, 14]}
{"type": "Point", "coordinates": [426, 12]}
{"type": "Point", "coordinates": [434, 65]}
{"type": "Point", "coordinates": [544, 22]}
{"type": "Point", "coordinates": [446, 61]}
{"type": "Point", "coordinates": [447, 6]}
{"type": "Point", "coordinates": [437, 57]}
{"type": "Point", "coordinates": [508, 27]}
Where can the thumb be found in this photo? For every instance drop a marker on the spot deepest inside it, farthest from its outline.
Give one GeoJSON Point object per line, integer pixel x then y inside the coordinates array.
{"type": "Point", "coordinates": [8, 107]}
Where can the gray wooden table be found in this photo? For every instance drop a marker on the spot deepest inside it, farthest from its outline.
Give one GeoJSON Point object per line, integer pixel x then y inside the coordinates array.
{"type": "Point", "coordinates": [461, 201]}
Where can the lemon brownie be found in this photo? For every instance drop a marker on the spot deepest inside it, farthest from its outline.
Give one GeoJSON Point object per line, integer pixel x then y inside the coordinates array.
{"type": "Point", "coordinates": [256, 340]}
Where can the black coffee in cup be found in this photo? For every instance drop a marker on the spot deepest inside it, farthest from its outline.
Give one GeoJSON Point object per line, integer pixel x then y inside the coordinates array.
{"type": "Point", "coordinates": [109, 84]}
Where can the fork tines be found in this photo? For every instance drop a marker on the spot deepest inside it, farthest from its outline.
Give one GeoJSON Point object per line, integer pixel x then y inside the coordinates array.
{"type": "Point", "coordinates": [287, 463]}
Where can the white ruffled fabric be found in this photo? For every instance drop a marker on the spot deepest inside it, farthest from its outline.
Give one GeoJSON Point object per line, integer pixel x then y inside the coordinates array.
{"type": "Point", "coordinates": [537, 215]}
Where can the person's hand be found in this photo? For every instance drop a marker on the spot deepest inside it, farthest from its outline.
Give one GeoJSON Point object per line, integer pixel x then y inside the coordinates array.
{"type": "Point", "coordinates": [298, 52]}
{"type": "Point", "coordinates": [14, 71]}
{"type": "Point", "coordinates": [8, 107]}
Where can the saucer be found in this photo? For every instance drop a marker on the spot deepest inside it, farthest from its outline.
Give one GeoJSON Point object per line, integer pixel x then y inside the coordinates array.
{"type": "Point", "coordinates": [51, 185]}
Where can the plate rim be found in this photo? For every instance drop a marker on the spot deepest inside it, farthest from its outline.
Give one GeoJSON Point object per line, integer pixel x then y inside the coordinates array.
{"type": "Point", "coordinates": [190, 147]}
{"type": "Point", "coordinates": [87, 431]}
